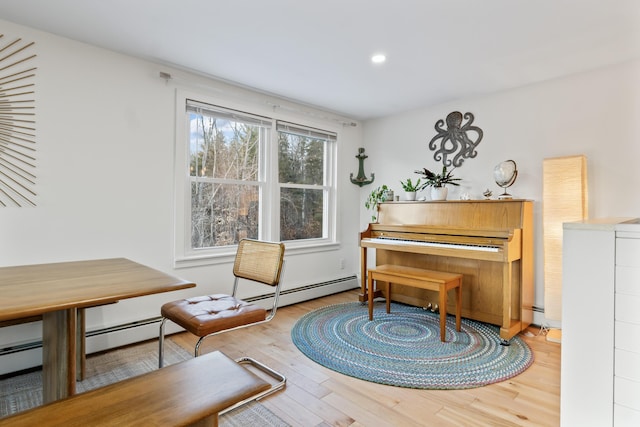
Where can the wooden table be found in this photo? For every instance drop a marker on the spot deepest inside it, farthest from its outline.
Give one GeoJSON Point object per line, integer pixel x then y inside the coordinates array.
{"type": "Point", "coordinates": [56, 291]}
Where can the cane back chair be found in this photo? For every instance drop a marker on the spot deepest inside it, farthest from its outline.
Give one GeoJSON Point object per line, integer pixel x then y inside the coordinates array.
{"type": "Point", "coordinates": [255, 261]}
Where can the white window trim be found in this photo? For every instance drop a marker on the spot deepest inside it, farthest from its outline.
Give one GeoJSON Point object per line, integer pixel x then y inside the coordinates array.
{"type": "Point", "coordinates": [184, 255]}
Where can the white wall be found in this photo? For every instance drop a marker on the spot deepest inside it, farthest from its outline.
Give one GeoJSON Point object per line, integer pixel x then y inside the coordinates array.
{"type": "Point", "coordinates": [105, 150]}
{"type": "Point", "coordinates": [595, 113]}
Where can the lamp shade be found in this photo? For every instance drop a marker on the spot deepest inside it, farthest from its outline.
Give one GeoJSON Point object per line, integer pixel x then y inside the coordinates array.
{"type": "Point", "coordinates": [564, 199]}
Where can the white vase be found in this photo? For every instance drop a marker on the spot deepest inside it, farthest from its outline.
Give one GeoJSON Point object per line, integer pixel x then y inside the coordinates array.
{"type": "Point", "coordinates": [409, 195]}
{"type": "Point", "coordinates": [439, 193]}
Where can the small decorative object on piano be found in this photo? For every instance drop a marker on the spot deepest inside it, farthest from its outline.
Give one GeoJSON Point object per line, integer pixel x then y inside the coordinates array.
{"type": "Point", "coordinates": [376, 196]}
{"type": "Point", "coordinates": [438, 181]}
{"type": "Point", "coordinates": [487, 194]}
{"type": "Point", "coordinates": [411, 188]}
{"type": "Point", "coordinates": [505, 174]}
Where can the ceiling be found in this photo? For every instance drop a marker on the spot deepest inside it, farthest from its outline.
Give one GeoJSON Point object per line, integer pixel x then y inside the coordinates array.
{"type": "Point", "coordinates": [318, 53]}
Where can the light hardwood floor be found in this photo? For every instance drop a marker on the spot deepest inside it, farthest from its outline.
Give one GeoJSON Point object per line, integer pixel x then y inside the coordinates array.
{"type": "Point", "coordinates": [317, 396]}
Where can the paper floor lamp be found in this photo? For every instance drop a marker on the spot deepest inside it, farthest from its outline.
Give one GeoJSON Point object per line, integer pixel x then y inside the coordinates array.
{"type": "Point", "coordinates": [564, 199]}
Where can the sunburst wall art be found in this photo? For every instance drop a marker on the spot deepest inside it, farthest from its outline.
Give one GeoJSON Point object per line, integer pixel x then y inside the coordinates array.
{"type": "Point", "coordinates": [17, 123]}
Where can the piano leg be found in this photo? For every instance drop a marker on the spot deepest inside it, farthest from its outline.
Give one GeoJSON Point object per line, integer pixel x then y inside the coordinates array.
{"type": "Point", "coordinates": [510, 326]}
{"type": "Point", "coordinates": [363, 275]}
{"type": "Point", "coordinates": [512, 322]}
{"type": "Point", "coordinates": [364, 288]}
{"type": "Point", "coordinates": [370, 295]}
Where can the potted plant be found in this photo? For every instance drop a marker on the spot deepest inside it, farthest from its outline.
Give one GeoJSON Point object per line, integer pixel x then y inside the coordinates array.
{"type": "Point", "coordinates": [411, 188]}
{"type": "Point", "coordinates": [376, 196]}
{"type": "Point", "coordinates": [438, 182]}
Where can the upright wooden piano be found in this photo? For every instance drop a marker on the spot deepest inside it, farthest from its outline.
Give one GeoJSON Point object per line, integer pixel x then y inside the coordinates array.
{"type": "Point", "coordinates": [489, 241]}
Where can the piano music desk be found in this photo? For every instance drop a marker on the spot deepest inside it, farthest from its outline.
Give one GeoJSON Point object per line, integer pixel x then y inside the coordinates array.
{"type": "Point", "coordinates": [432, 280]}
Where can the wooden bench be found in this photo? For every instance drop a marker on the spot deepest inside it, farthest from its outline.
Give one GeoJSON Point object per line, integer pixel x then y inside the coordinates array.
{"type": "Point", "coordinates": [432, 280]}
{"type": "Point", "coordinates": [193, 392]}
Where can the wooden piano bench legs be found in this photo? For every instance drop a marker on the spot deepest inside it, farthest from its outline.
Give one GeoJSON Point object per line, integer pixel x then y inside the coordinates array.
{"type": "Point", "coordinates": [432, 280]}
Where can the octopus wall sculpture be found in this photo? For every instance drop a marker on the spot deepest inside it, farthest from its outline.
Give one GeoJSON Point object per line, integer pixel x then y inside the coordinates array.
{"type": "Point", "coordinates": [457, 140]}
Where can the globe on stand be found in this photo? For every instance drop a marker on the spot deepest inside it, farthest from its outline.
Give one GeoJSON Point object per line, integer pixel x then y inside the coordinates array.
{"type": "Point", "coordinates": [505, 174]}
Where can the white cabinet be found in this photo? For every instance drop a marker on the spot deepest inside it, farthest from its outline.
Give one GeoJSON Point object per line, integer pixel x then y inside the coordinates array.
{"type": "Point", "coordinates": [600, 372]}
{"type": "Point", "coordinates": [626, 408]}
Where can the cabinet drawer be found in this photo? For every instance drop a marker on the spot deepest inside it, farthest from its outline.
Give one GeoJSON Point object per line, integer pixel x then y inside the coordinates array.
{"type": "Point", "coordinates": [627, 365]}
{"type": "Point", "coordinates": [628, 280]}
{"type": "Point", "coordinates": [625, 417]}
{"type": "Point", "coordinates": [626, 336]}
{"type": "Point", "coordinates": [627, 308]}
{"type": "Point", "coordinates": [628, 252]}
{"type": "Point", "coordinates": [627, 393]}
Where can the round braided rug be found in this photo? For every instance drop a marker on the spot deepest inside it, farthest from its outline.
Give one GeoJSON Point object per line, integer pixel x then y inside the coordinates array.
{"type": "Point", "coordinates": [403, 348]}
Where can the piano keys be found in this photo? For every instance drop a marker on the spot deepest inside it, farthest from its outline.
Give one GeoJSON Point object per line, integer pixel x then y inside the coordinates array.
{"type": "Point", "coordinates": [390, 241]}
{"type": "Point", "coordinates": [489, 241]}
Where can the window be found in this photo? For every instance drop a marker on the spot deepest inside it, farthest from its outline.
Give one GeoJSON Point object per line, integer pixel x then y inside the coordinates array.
{"type": "Point", "coordinates": [304, 184]}
{"type": "Point", "coordinates": [224, 152]}
{"type": "Point", "coordinates": [240, 174]}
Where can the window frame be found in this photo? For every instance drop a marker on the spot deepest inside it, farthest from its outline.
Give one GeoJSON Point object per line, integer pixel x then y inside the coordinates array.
{"type": "Point", "coordinates": [328, 184]}
{"type": "Point", "coordinates": [268, 182]}
{"type": "Point", "coordinates": [209, 110]}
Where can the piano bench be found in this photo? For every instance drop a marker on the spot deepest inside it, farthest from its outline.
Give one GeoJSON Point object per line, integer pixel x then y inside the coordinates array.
{"type": "Point", "coordinates": [439, 281]}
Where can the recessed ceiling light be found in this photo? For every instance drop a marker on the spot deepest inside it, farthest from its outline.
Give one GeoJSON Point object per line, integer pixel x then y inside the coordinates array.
{"type": "Point", "coordinates": [378, 58]}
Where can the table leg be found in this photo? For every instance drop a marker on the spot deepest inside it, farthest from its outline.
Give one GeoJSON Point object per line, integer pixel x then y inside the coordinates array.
{"type": "Point", "coordinates": [80, 345]}
{"type": "Point", "coordinates": [59, 329]}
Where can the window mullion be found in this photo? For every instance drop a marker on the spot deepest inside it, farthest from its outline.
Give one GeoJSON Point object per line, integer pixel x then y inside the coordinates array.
{"type": "Point", "coordinates": [272, 189]}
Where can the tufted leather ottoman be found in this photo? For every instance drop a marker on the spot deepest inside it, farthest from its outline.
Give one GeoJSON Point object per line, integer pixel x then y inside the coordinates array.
{"type": "Point", "coordinates": [208, 314]}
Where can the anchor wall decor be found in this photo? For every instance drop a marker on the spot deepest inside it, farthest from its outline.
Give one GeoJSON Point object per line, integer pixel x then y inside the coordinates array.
{"type": "Point", "coordinates": [361, 179]}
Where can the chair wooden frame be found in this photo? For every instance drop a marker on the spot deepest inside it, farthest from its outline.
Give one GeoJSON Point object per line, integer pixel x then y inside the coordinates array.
{"type": "Point", "coordinates": [255, 261]}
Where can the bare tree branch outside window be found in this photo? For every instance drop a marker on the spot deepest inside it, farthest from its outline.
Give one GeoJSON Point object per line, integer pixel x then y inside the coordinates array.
{"type": "Point", "coordinates": [224, 160]}
{"type": "Point", "coordinates": [301, 162]}
{"type": "Point", "coordinates": [224, 187]}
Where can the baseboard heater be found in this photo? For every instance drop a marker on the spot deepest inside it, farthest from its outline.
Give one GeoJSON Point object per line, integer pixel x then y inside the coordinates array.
{"type": "Point", "coordinates": [37, 344]}
{"type": "Point", "coordinates": [287, 297]}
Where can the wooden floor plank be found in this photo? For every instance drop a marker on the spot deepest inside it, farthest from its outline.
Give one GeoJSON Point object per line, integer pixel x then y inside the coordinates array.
{"type": "Point", "coordinates": [328, 413]}
{"type": "Point", "coordinates": [317, 396]}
